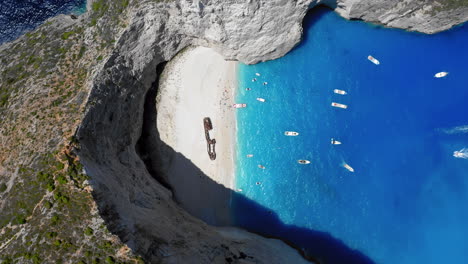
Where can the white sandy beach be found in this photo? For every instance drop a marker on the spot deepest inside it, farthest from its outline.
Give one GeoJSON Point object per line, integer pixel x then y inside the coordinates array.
{"type": "Point", "coordinates": [199, 83]}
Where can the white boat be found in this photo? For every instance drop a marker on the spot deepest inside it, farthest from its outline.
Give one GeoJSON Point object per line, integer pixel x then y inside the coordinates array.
{"type": "Point", "coordinates": [249, 155]}
{"type": "Point", "coordinates": [239, 190]}
{"type": "Point", "coordinates": [258, 183]}
{"type": "Point", "coordinates": [239, 105]}
{"type": "Point", "coordinates": [248, 89]}
{"type": "Point", "coordinates": [335, 142]}
{"type": "Point", "coordinates": [374, 60]}
{"type": "Point", "coordinates": [441, 74]}
{"type": "Point", "coordinates": [463, 153]}
{"type": "Point", "coordinates": [303, 162]}
{"type": "Point", "coordinates": [261, 166]}
{"type": "Point", "coordinates": [260, 99]}
{"type": "Point", "coordinates": [258, 74]}
{"type": "Point", "coordinates": [338, 91]}
{"type": "Point", "coordinates": [291, 133]}
{"type": "Point", "coordinates": [339, 105]}
{"type": "Point", "coordinates": [254, 79]}
{"type": "Point", "coordinates": [265, 83]}
{"type": "Point", "coordinates": [348, 167]}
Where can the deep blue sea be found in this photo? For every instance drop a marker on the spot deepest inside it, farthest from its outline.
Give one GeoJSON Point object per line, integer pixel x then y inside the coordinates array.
{"type": "Point", "coordinates": [407, 201]}
{"type": "Point", "coordinates": [20, 16]}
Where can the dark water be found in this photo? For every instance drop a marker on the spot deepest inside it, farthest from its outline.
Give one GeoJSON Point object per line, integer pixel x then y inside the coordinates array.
{"type": "Point", "coordinates": [407, 201]}
{"type": "Point", "coordinates": [20, 16]}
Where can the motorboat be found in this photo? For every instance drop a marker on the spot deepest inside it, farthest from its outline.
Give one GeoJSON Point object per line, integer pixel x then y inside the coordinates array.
{"type": "Point", "coordinates": [248, 89]}
{"type": "Point", "coordinates": [303, 162]}
{"type": "Point", "coordinates": [239, 105]}
{"type": "Point", "coordinates": [239, 190]}
{"type": "Point", "coordinates": [249, 155]}
{"type": "Point", "coordinates": [261, 166]}
{"type": "Point", "coordinates": [373, 60]}
{"type": "Point", "coordinates": [441, 74]}
{"type": "Point", "coordinates": [265, 83]}
{"type": "Point", "coordinates": [338, 91]}
{"type": "Point", "coordinates": [254, 79]}
{"type": "Point", "coordinates": [260, 99]}
{"type": "Point", "coordinates": [348, 167]}
{"type": "Point", "coordinates": [339, 105]}
{"type": "Point", "coordinates": [463, 153]}
{"type": "Point", "coordinates": [291, 133]}
{"type": "Point", "coordinates": [257, 74]}
{"type": "Point", "coordinates": [335, 142]}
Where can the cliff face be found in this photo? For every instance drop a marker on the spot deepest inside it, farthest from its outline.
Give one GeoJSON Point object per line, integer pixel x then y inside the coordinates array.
{"type": "Point", "coordinates": [124, 44]}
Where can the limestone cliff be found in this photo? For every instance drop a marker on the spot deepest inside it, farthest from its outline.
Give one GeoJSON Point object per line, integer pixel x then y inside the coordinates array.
{"type": "Point", "coordinates": [95, 74]}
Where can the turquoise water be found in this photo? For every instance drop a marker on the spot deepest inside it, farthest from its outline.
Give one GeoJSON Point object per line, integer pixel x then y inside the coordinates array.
{"type": "Point", "coordinates": [20, 16]}
{"type": "Point", "coordinates": [407, 201]}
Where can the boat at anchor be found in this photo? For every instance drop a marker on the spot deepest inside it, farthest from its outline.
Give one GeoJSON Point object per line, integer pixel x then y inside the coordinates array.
{"type": "Point", "coordinates": [441, 74]}
{"type": "Point", "coordinates": [338, 91]}
{"type": "Point", "coordinates": [239, 105]}
{"type": "Point", "coordinates": [338, 105]}
{"type": "Point", "coordinates": [291, 133]}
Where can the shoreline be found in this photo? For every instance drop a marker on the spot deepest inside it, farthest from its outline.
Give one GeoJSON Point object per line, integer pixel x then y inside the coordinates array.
{"type": "Point", "coordinates": [199, 83]}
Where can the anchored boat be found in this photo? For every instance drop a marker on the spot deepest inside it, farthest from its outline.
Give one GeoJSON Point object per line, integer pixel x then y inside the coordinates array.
{"type": "Point", "coordinates": [249, 155]}
{"type": "Point", "coordinates": [258, 74]}
{"type": "Point", "coordinates": [239, 105]}
{"type": "Point", "coordinates": [291, 133]}
{"type": "Point", "coordinates": [373, 60]}
{"type": "Point", "coordinates": [441, 74]}
{"type": "Point", "coordinates": [260, 99]}
{"type": "Point", "coordinates": [261, 166]}
{"type": "Point", "coordinates": [339, 105]}
{"type": "Point", "coordinates": [335, 142]}
{"type": "Point", "coordinates": [338, 91]}
{"type": "Point", "coordinates": [303, 162]}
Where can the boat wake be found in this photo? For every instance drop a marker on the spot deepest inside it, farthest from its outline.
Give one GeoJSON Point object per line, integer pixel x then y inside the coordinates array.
{"type": "Point", "coordinates": [456, 130]}
{"type": "Point", "coordinates": [462, 154]}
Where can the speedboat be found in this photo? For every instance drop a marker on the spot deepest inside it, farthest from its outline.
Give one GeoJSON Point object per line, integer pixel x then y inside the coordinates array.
{"type": "Point", "coordinates": [337, 91]}
{"type": "Point", "coordinates": [441, 74]}
{"type": "Point", "coordinates": [239, 190]}
{"type": "Point", "coordinates": [258, 74]}
{"type": "Point", "coordinates": [348, 167]}
{"type": "Point", "coordinates": [249, 155]}
{"type": "Point", "coordinates": [254, 79]}
{"type": "Point", "coordinates": [339, 105]}
{"type": "Point", "coordinates": [261, 166]}
{"type": "Point", "coordinates": [260, 99]}
{"type": "Point", "coordinates": [303, 162]}
{"type": "Point", "coordinates": [239, 105]}
{"type": "Point", "coordinates": [265, 83]}
{"type": "Point", "coordinates": [463, 153]}
{"type": "Point", "coordinates": [248, 89]}
{"type": "Point", "coordinates": [291, 133]}
{"type": "Point", "coordinates": [374, 60]}
{"type": "Point", "coordinates": [335, 142]}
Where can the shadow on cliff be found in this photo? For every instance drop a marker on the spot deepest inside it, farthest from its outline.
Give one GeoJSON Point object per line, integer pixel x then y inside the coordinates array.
{"type": "Point", "coordinates": [213, 203]}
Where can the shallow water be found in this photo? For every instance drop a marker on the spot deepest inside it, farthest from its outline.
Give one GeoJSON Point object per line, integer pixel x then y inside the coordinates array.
{"type": "Point", "coordinates": [407, 200]}
{"type": "Point", "coordinates": [20, 16]}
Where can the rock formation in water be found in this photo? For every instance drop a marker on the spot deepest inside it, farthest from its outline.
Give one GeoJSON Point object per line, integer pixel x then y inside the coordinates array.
{"type": "Point", "coordinates": [75, 91]}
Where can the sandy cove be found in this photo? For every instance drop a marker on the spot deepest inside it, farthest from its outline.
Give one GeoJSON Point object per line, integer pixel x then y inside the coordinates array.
{"type": "Point", "coordinates": [199, 83]}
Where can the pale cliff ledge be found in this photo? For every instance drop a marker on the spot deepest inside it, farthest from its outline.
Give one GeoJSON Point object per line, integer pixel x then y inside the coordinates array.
{"type": "Point", "coordinates": [95, 75]}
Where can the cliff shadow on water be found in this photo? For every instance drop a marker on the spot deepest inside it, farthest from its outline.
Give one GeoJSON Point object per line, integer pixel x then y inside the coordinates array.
{"type": "Point", "coordinates": [316, 246]}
